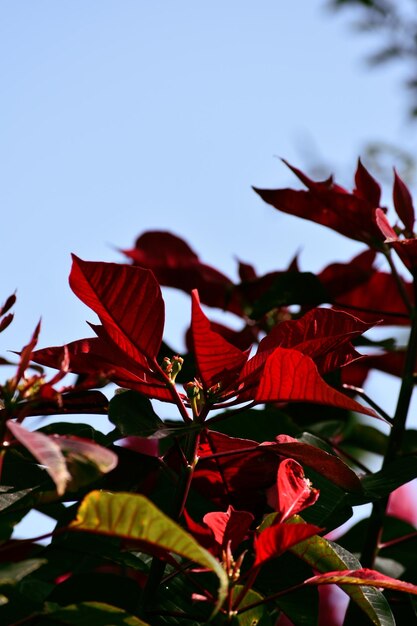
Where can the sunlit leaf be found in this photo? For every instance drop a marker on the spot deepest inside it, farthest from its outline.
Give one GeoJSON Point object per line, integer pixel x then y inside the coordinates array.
{"type": "Point", "coordinates": [128, 301]}
{"type": "Point", "coordinates": [290, 376]}
{"type": "Point", "coordinates": [134, 517]}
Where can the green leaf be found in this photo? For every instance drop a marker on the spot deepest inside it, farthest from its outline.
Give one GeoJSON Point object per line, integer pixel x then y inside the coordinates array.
{"type": "Point", "coordinates": [132, 414]}
{"type": "Point", "coordinates": [92, 613]}
{"type": "Point", "coordinates": [12, 573]}
{"type": "Point", "coordinates": [326, 556]}
{"type": "Point", "coordinates": [257, 616]}
{"type": "Point", "coordinates": [134, 517]}
{"type": "Point", "coordinates": [290, 288]}
{"type": "Point", "coordinates": [381, 484]}
{"type": "Point", "coordinates": [8, 497]}
{"type": "Point", "coordinates": [366, 437]}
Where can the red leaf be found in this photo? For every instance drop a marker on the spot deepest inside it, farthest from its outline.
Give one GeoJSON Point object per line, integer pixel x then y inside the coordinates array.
{"type": "Point", "coordinates": [228, 526]}
{"type": "Point", "coordinates": [322, 334]}
{"type": "Point", "coordinates": [340, 278]}
{"type": "Point", "coordinates": [366, 185]}
{"type": "Point", "coordinates": [128, 301]}
{"type": "Point", "coordinates": [403, 203]}
{"type": "Point", "coordinates": [217, 359]}
{"type": "Point", "coordinates": [175, 264]}
{"type": "Point", "coordinates": [322, 462]}
{"type": "Point", "coordinates": [290, 376]}
{"type": "Point", "coordinates": [277, 539]}
{"type": "Point", "coordinates": [362, 576]}
{"type": "Point", "coordinates": [378, 297]}
{"type": "Point", "coordinates": [294, 490]}
{"type": "Point", "coordinates": [329, 205]}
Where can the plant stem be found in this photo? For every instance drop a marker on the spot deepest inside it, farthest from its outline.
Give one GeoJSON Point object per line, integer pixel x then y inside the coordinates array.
{"type": "Point", "coordinates": [157, 569]}
{"type": "Point", "coordinates": [395, 440]}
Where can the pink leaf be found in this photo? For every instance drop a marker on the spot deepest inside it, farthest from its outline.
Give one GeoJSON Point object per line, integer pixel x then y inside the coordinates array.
{"type": "Point", "coordinates": [47, 451]}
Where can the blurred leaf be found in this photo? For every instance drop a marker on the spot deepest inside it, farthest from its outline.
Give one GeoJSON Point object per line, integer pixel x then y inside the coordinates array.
{"type": "Point", "coordinates": [290, 288]}
{"type": "Point", "coordinates": [382, 483]}
{"type": "Point", "coordinates": [92, 613]}
{"type": "Point", "coordinates": [12, 573]}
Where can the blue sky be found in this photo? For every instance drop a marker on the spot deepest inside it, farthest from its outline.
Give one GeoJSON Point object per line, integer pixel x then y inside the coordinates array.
{"type": "Point", "coordinates": [119, 117]}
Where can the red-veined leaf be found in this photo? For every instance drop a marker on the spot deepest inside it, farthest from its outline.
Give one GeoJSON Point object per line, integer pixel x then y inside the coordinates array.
{"type": "Point", "coordinates": [216, 358]}
{"type": "Point", "coordinates": [290, 376]}
{"type": "Point", "coordinates": [128, 301]}
{"type": "Point", "coordinates": [322, 334]}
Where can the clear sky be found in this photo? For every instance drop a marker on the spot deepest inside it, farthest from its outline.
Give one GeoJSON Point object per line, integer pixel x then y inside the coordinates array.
{"type": "Point", "coordinates": [117, 117]}
{"type": "Point", "coordinates": [122, 116]}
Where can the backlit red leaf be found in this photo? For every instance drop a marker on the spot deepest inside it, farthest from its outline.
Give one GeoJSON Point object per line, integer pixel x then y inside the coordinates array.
{"type": "Point", "coordinates": [290, 376]}
{"type": "Point", "coordinates": [277, 539]}
{"type": "Point", "coordinates": [322, 334]}
{"type": "Point", "coordinates": [217, 359]}
{"type": "Point", "coordinates": [403, 203]}
{"type": "Point", "coordinates": [330, 205]}
{"type": "Point", "coordinates": [294, 491]}
{"type": "Point", "coordinates": [366, 185]}
{"type": "Point", "coordinates": [230, 525]}
{"type": "Point", "coordinates": [127, 300]}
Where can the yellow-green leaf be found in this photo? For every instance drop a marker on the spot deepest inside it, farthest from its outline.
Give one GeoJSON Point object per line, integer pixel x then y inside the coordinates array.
{"type": "Point", "coordinates": [134, 517]}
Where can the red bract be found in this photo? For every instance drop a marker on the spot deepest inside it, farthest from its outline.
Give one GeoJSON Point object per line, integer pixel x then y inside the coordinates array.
{"type": "Point", "coordinates": [350, 214]}
{"type": "Point", "coordinates": [273, 374]}
{"type": "Point", "coordinates": [129, 304]}
{"type": "Point", "coordinates": [229, 527]}
{"type": "Point", "coordinates": [378, 299]}
{"type": "Point", "coordinates": [175, 264]}
{"type": "Point", "coordinates": [277, 539]}
{"type": "Point", "coordinates": [294, 491]}
{"type": "Point", "coordinates": [405, 248]}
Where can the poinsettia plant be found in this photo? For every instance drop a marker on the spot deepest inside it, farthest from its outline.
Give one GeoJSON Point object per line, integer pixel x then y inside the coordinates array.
{"type": "Point", "coordinates": [233, 511]}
